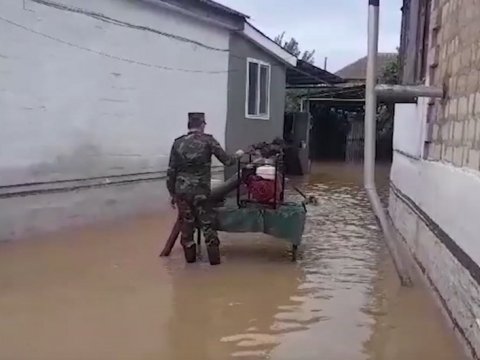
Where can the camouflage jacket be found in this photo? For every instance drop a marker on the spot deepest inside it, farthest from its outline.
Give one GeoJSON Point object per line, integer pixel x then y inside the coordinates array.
{"type": "Point", "coordinates": [189, 169]}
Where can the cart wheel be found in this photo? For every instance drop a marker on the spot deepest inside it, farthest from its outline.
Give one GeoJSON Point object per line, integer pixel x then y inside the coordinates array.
{"type": "Point", "coordinates": [294, 252]}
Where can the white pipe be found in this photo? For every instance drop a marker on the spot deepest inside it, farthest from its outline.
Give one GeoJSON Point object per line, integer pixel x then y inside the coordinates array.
{"type": "Point", "coordinates": [370, 138]}
{"type": "Point", "coordinates": [406, 91]}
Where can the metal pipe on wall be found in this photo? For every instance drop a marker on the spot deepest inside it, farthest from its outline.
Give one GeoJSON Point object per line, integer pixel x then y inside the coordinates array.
{"type": "Point", "coordinates": [370, 139]}
{"type": "Point", "coordinates": [400, 93]}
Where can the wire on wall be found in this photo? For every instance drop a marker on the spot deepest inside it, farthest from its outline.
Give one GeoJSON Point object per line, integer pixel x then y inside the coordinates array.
{"type": "Point", "coordinates": [110, 20]}
{"type": "Point", "coordinates": [115, 57]}
{"type": "Point", "coordinates": [117, 22]}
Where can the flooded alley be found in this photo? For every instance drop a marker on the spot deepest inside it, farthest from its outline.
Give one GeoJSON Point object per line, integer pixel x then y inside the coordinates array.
{"type": "Point", "coordinates": [103, 293]}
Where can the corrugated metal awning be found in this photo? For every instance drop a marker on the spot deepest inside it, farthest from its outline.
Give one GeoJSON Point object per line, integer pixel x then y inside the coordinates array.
{"type": "Point", "coordinates": [306, 75]}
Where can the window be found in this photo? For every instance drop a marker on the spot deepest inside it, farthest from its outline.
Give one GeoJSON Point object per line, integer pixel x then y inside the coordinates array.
{"type": "Point", "coordinates": [415, 45]}
{"type": "Point", "coordinates": [423, 32]}
{"type": "Point", "coordinates": [257, 104]}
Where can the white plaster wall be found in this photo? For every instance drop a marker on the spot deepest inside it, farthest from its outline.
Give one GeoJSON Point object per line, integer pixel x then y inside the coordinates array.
{"type": "Point", "coordinates": [66, 112]}
{"type": "Point", "coordinates": [408, 129]}
{"type": "Point", "coordinates": [451, 197]}
{"type": "Point", "coordinates": [459, 291]}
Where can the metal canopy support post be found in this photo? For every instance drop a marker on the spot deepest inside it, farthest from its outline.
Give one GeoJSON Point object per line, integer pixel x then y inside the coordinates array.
{"type": "Point", "coordinates": [308, 102]}
{"type": "Point", "coordinates": [309, 128]}
{"type": "Point", "coordinates": [370, 139]}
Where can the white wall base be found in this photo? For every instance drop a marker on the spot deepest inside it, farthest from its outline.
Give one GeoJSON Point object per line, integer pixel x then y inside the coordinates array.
{"type": "Point", "coordinates": [436, 223]}
{"type": "Point", "coordinates": [448, 194]}
{"type": "Point", "coordinates": [26, 216]}
{"type": "Point", "coordinates": [96, 201]}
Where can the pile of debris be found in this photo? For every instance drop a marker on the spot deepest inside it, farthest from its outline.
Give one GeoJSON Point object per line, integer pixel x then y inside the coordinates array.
{"type": "Point", "coordinates": [268, 150]}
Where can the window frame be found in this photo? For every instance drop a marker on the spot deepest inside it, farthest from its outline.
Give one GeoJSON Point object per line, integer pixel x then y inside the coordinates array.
{"type": "Point", "coordinates": [257, 114]}
{"type": "Point", "coordinates": [423, 40]}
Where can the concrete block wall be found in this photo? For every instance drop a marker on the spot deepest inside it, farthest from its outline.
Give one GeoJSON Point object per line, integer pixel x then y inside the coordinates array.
{"type": "Point", "coordinates": [455, 61]}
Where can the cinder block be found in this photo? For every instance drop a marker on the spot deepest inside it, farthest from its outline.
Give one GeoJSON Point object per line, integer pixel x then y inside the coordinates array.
{"type": "Point", "coordinates": [435, 152]}
{"type": "Point", "coordinates": [477, 104]}
{"type": "Point", "coordinates": [452, 109]}
{"type": "Point", "coordinates": [445, 132]}
{"type": "Point", "coordinates": [462, 110]}
{"type": "Point", "coordinates": [473, 53]}
{"type": "Point", "coordinates": [456, 63]}
{"type": "Point", "coordinates": [477, 61]}
{"type": "Point", "coordinates": [452, 85]}
{"type": "Point", "coordinates": [472, 81]}
{"type": "Point", "coordinates": [473, 160]}
{"type": "Point", "coordinates": [471, 104]}
{"type": "Point", "coordinates": [461, 84]}
{"type": "Point", "coordinates": [477, 134]}
{"type": "Point", "coordinates": [465, 58]}
{"type": "Point", "coordinates": [469, 131]}
{"type": "Point", "coordinates": [451, 125]}
{"type": "Point", "coordinates": [435, 132]}
{"type": "Point", "coordinates": [458, 132]}
{"type": "Point", "coordinates": [458, 156]}
{"type": "Point", "coordinates": [448, 153]}
{"type": "Point", "coordinates": [443, 52]}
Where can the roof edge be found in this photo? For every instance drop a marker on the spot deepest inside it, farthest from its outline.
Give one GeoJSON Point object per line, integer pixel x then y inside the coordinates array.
{"type": "Point", "coordinates": [262, 40]}
{"type": "Point", "coordinates": [228, 10]}
{"type": "Point", "coordinates": [219, 17]}
{"type": "Point", "coordinates": [356, 69]}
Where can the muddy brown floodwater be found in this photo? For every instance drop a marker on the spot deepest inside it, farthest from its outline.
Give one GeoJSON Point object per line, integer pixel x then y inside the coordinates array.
{"type": "Point", "coordinates": [102, 292]}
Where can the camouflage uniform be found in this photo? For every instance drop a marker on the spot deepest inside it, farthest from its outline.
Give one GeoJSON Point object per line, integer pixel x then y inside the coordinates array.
{"type": "Point", "coordinates": [188, 181]}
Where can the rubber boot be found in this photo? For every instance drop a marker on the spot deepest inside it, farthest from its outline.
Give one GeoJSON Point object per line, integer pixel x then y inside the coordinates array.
{"type": "Point", "coordinates": [213, 254]}
{"type": "Point", "coordinates": [190, 253]}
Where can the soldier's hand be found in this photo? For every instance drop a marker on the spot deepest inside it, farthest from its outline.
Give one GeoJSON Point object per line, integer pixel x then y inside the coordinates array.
{"type": "Point", "coordinates": [172, 202]}
{"type": "Point", "coordinates": [239, 153]}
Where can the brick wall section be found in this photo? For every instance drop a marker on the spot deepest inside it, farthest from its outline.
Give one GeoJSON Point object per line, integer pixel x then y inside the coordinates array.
{"type": "Point", "coordinates": [455, 63]}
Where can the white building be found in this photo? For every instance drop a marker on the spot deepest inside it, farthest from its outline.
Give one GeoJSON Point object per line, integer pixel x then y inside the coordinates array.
{"type": "Point", "coordinates": [435, 180]}
{"type": "Point", "coordinates": [93, 93]}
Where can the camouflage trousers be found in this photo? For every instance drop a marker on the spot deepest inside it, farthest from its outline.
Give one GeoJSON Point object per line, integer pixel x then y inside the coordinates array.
{"type": "Point", "coordinates": [196, 210]}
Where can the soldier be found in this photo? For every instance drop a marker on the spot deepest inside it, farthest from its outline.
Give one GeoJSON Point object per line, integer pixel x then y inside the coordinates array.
{"type": "Point", "coordinates": [188, 181]}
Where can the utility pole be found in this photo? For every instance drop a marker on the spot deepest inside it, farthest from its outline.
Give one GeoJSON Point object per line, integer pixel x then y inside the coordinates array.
{"type": "Point", "coordinates": [325, 63]}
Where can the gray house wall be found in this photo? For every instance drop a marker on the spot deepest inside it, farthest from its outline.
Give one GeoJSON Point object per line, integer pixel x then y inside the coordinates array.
{"type": "Point", "coordinates": [241, 131]}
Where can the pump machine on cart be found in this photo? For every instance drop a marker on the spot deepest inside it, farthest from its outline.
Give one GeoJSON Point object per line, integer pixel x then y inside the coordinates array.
{"type": "Point", "coordinates": [259, 205]}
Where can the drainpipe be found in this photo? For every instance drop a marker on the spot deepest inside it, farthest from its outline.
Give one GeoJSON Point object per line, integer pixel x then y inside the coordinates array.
{"type": "Point", "coordinates": [370, 138]}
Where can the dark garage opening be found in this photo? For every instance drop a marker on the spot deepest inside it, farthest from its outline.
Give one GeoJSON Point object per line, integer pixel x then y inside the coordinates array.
{"type": "Point", "coordinates": [336, 132]}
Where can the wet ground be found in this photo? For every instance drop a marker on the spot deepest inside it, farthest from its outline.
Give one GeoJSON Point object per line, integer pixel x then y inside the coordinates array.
{"type": "Point", "coordinates": [102, 292]}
